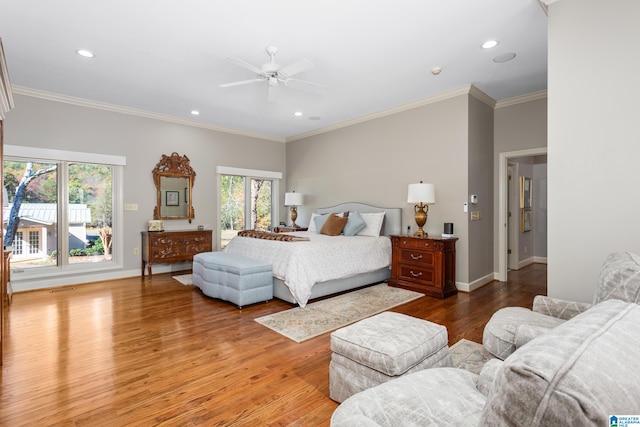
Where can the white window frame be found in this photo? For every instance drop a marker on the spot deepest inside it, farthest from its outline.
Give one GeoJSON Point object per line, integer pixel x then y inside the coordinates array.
{"type": "Point", "coordinates": [23, 153]}
{"type": "Point", "coordinates": [248, 174]}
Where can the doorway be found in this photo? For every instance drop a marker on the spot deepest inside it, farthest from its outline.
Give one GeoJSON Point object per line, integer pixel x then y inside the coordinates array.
{"type": "Point", "coordinates": [508, 229]}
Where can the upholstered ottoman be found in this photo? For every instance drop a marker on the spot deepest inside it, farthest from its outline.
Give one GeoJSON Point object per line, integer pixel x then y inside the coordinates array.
{"type": "Point", "coordinates": [381, 348]}
{"type": "Point", "coordinates": [233, 278]}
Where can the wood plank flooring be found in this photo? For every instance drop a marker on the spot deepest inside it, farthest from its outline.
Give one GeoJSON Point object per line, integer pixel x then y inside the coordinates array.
{"type": "Point", "coordinates": [143, 352]}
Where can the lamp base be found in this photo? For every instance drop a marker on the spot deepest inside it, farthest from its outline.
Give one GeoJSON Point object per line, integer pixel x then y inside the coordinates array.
{"type": "Point", "coordinates": [294, 216]}
{"type": "Point", "coordinates": [420, 233]}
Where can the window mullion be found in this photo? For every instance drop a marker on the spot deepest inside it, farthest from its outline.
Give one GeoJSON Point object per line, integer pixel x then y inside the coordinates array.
{"type": "Point", "coordinates": [63, 214]}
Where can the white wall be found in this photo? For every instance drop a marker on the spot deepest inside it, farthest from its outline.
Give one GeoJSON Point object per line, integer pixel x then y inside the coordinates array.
{"type": "Point", "coordinates": [594, 140]}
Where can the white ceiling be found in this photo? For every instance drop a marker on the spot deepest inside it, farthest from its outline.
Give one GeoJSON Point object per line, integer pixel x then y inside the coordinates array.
{"type": "Point", "coordinates": [168, 57]}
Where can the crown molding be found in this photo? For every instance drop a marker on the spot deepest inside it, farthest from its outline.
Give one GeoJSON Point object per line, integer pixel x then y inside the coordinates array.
{"type": "Point", "coordinates": [464, 90]}
{"type": "Point", "coordinates": [533, 96]}
{"type": "Point", "coordinates": [50, 96]}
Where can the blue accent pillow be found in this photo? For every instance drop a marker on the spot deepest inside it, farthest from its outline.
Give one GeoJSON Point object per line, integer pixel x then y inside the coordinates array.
{"type": "Point", "coordinates": [354, 224]}
{"type": "Point", "coordinates": [320, 220]}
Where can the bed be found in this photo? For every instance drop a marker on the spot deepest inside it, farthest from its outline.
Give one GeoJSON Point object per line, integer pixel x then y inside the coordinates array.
{"type": "Point", "coordinates": [354, 261]}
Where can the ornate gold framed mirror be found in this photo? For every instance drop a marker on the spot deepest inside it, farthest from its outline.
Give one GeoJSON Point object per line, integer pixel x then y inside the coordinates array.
{"type": "Point", "coordinates": [173, 178]}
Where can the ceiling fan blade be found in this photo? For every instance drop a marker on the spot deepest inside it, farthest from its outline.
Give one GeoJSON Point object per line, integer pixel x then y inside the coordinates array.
{"type": "Point", "coordinates": [245, 64]}
{"type": "Point", "coordinates": [304, 82]}
{"type": "Point", "coordinates": [242, 82]}
{"type": "Point", "coordinates": [295, 68]}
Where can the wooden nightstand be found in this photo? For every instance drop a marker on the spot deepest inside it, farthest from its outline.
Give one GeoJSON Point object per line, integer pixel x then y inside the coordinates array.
{"type": "Point", "coordinates": [426, 265]}
{"type": "Point", "coordinates": [288, 229]}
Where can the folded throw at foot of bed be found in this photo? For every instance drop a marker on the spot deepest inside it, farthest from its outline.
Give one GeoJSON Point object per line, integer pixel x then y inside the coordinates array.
{"type": "Point", "coordinates": [256, 234]}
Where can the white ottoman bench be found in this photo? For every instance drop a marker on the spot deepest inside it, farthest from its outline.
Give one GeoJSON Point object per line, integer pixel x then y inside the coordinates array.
{"type": "Point", "coordinates": [381, 348]}
{"type": "Point", "coordinates": [233, 278]}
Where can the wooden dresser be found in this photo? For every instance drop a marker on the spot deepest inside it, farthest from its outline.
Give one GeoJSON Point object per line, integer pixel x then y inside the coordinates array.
{"type": "Point", "coordinates": [173, 246]}
{"type": "Point", "coordinates": [426, 265]}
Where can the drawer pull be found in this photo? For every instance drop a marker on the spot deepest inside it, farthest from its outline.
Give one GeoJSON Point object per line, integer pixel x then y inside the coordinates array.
{"type": "Point", "coordinates": [415, 257]}
{"type": "Point", "coordinates": [418, 274]}
{"type": "Point", "coordinates": [426, 244]}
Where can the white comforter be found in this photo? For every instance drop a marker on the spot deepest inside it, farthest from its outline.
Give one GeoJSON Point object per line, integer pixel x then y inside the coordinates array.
{"type": "Point", "coordinates": [302, 264]}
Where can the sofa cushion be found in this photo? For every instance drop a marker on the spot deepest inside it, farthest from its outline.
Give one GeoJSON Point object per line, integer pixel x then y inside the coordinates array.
{"type": "Point", "coordinates": [432, 397]}
{"type": "Point", "coordinates": [501, 334]}
{"type": "Point", "coordinates": [619, 278]}
{"type": "Point", "coordinates": [580, 371]}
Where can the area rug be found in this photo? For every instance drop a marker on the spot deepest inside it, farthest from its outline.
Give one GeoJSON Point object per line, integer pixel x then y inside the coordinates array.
{"type": "Point", "coordinates": [469, 355]}
{"type": "Point", "coordinates": [185, 279]}
{"type": "Point", "coordinates": [301, 324]}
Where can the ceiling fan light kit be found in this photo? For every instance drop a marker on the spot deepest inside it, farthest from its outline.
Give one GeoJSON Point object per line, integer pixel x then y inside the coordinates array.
{"type": "Point", "coordinates": [272, 72]}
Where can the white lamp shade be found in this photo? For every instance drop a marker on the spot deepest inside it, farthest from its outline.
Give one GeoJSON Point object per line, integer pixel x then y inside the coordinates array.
{"type": "Point", "coordinates": [421, 192]}
{"type": "Point", "coordinates": [293, 199]}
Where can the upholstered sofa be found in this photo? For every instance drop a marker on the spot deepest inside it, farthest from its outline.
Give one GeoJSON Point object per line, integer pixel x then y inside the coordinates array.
{"type": "Point", "coordinates": [512, 327]}
{"type": "Point", "coordinates": [578, 373]}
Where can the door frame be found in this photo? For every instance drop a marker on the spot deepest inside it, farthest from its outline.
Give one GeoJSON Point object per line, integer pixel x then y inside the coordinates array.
{"type": "Point", "coordinates": [503, 208]}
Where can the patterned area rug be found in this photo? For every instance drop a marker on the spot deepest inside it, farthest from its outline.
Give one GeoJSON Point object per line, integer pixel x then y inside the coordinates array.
{"type": "Point", "coordinates": [469, 355]}
{"type": "Point", "coordinates": [185, 279]}
{"type": "Point", "coordinates": [300, 324]}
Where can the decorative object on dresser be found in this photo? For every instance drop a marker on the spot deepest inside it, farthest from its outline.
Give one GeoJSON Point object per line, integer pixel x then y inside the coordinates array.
{"type": "Point", "coordinates": [155, 225]}
{"type": "Point", "coordinates": [425, 195]}
{"type": "Point", "coordinates": [173, 246]}
{"type": "Point", "coordinates": [426, 265]}
{"type": "Point", "coordinates": [294, 200]}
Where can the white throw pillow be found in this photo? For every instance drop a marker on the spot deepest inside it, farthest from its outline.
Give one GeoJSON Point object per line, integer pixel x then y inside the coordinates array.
{"type": "Point", "coordinates": [374, 224]}
{"type": "Point", "coordinates": [312, 223]}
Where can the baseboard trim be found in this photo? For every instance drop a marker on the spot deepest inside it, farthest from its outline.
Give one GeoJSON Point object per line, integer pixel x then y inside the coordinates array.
{"type": "Point", "coordinates": [36, 284]}
{"type": "Point", "coordinates": [476, 284]}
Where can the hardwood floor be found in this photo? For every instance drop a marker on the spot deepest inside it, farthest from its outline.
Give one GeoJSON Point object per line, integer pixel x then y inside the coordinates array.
{"type": "Point", "coordinates": [141, 352]}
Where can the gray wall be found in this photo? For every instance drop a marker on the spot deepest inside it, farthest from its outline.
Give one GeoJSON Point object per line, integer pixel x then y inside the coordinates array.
{"type": "Point", "coordinates": [517, 127]}
{"type": "Point", "coordinates": [41, 123]}
{"type": "Point", "coordinates": [374, 161]}
{"type": "Point", "coordinates": [480, 183]}
{"type": "Point", "coordinates": [594, 140]}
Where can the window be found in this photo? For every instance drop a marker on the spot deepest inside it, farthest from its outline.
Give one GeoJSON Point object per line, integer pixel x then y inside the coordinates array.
{"type": "Point", "coordinates": [17, 244]}
{"type": "Point", "coordinates": [34, 242]}
{"type": "Point", "coordinates": [247, 201]}
{"type": "Point", "coordinates": [64, 206]}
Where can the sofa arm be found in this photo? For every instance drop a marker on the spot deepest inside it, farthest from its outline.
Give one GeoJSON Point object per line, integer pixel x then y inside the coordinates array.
{"type": "Point", "coordinates": [487, 375]}
{"type": "Point", "coordinates": [558, 308]}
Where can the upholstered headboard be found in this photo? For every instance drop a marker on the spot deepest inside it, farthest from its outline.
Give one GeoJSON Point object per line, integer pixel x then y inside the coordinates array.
{"type": "Point", "coordinates": [392, 217]}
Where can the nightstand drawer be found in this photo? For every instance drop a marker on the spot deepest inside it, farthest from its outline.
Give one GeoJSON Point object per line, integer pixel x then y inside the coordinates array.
{"type": "Point", "coordinates": [416, 257]}
{"type": "Point", "coordinates": [426, 244]}
{"type": "Point", "coordinates": [417, 274]}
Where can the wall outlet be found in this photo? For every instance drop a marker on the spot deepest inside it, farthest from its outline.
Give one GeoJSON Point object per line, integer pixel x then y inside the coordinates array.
{"type": "Point", "coordinates": [136, 251]}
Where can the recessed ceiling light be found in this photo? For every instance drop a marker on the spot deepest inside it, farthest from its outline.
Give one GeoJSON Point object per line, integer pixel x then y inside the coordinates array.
{"type": "Point", "coordinates": [314, 118]}
{"type": "Point", "coordinates": [195, 112]}
{"type": "Point", "coordinates": [298, 114]}
{"type": "Point", "coordinates": [489, 44]}
{"type": "Point", "coordinates": [86, 53]}
{"type": "Point", "coordinates": [505, 57]}
{"type": "Point", "coordinates": [436, 70]}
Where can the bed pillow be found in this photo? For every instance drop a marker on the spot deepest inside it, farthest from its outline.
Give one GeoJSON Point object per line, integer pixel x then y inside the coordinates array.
{"type": "Point", "coordinates": [318, 222]}
{"type": "Point", "coordinates": [374, 224]}
{"type": "Point", "coordinates": [312, 223]}
{"type": "Point", "coordinates": [333, 225]}
{"type": "Point", "coordinates": [355, 223]}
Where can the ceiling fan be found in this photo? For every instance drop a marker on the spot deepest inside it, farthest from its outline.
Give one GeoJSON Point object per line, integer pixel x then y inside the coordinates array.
{"type": "Point", "coordinates": [272, 73]}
